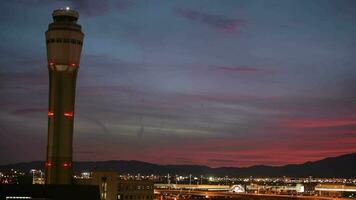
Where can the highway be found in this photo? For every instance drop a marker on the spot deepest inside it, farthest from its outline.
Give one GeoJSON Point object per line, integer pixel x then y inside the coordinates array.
{"type": "Point", "coordinates": [220, 195]}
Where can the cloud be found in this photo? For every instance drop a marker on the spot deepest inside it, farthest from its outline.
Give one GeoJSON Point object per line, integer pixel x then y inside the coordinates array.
{"type": "Point", "coordinates": [23, 80]}
{"type": "Point", "coordinates": [123, 4]}
{"type": "Point", "coordinates": [215, 21]}
{"type": "Point", "coordinates": [96, 8]}
{"type": "Point", "coordinates": [29, 111]}
{"type": "Point", "coordinates": [239, 69]}
{"type": "Point", "coordinates": [319, 123]}
{"type": "Point", "coordinates": [19, 61]}
{"type": "Point", "coordinates": [91, 7]}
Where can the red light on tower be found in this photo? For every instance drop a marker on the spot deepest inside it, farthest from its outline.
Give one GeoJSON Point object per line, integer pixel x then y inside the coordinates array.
{"type": "Point", "coordinates": [50, 63]}
{"type": "Point", "coordinates": [73, 65]}
{"type": "Point", "coordinates": [68, 114]}
{"type": "Point", "coordinates": [50, 114]}
{"type": "Point", "coordinates": [48, 164]}
{"type": "Point", "coordinates": [66, 164]}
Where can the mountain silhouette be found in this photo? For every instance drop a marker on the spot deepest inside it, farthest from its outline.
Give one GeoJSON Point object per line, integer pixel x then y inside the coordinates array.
{"type": "Point", "coordinates": [343, 166]}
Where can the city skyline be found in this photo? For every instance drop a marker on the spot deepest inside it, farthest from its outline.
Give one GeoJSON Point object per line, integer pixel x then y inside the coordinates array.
{"type": "Point", "coordinates": [228, 83]}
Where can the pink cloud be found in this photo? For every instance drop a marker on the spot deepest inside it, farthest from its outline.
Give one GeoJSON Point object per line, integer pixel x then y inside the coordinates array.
{"type": "Point", "coordinates": [318, 123]}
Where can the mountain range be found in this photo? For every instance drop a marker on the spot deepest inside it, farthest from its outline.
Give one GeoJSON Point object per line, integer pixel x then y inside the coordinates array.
{"type": "Point", "coordinates": [343, 166]}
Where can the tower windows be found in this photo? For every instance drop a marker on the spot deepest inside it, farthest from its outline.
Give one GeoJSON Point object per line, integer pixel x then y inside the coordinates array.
{"type": "Point", "coordinates": [64, 40]}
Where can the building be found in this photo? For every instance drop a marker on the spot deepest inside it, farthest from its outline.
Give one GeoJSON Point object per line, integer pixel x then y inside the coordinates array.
{"type": "Point", "coordinates": [37, 176]}
{"type": "Point", "coordinates": [336, 190]}
{"type": "Point", "coordinates": [106, 180]}
{"type": "Point", "coordinates": [194, 187]}
{"type": "Point", "coordinates": [64, 40]}
{"type": "Point", "coordinates": [113, 188]}
{"type": "Point", "coordinates": [135, 190]}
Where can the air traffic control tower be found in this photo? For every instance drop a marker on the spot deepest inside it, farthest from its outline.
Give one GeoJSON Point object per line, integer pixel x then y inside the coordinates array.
{"type": "Point", "coordinates": [64, 40]}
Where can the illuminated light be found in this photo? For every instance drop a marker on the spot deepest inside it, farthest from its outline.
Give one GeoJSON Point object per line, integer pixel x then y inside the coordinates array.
{"type": "Point", "coordinates": [67, 8]}
{"type": "Point", "coordinates": [66, 164]}
{"type": "Point", "coordinates": [68, 114]}
{"type": "Point", "coordinates": [50, 114]}
{"type": "Point", "coordinates": [48, 164]}
{"type": "Point", "coordinates": [51, 63]}
{"type": "Point", "coordinates": [73, 65]}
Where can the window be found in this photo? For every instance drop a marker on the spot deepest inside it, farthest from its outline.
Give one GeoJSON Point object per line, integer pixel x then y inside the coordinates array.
{"type": "Point", "coordinates": [64, 40]}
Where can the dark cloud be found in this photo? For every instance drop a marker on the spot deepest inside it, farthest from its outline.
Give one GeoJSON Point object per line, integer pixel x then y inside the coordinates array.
{"type": "Point", "coordinates": [17, 61]}
{"type": "Point", "coordinates": [91, 7]}
{"type": "Point", "coordinates": [29, 111]}
{"type": "Point", "coordinates": [215, 21]}
{"type": "Point", "coordinates": [123, 4]}
{"type": "Point", "coordinates": [29, 2]}
{"type": "Point", "coordinates": [97, 8]}
{"type": "Point", "coordinates": [22, 80]}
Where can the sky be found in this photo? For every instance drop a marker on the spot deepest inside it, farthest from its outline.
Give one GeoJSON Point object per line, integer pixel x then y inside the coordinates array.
{"type": "Point", "coordinates": [216, 83]}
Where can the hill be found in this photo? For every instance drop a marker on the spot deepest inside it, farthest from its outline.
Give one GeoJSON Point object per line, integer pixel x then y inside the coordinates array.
{"type": "Point", "coordinates": [341, 167]}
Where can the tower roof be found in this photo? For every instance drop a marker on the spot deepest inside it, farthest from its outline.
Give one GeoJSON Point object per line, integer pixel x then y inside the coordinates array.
{"type": "Point", "coordinates": [65, 13]}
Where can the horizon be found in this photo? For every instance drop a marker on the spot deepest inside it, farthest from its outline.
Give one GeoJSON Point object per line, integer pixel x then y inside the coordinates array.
{"type": "Point", "coordinates": [214, 83]}
{"type": "Point", "coordinates": [177, 164]}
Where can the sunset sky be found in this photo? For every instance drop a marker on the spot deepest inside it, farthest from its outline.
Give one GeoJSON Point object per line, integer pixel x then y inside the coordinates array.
{"type": "Point", "coordinates": [217, 83]}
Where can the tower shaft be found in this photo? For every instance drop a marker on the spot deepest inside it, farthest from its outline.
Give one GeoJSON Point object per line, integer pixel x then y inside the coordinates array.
{"type": "Point", "coordinates": [64, 43]}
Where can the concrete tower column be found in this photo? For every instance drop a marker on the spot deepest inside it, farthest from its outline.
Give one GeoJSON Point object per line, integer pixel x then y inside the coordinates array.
{"type": "Point", "coordinates": [64, 40]}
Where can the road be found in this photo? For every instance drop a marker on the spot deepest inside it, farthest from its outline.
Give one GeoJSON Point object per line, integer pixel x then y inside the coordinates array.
{"type": "Point", "coordinates": [215, 194]}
